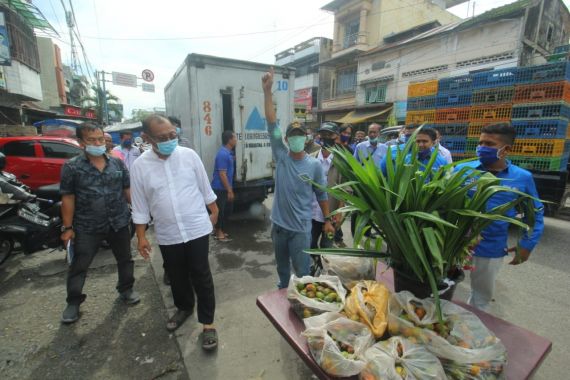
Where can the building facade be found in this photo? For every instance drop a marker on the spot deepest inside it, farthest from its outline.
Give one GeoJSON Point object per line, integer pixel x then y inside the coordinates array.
{"type": "Point", "coordinates": [51, 75]}
{"type": "Point", "coordinates": [361, 25]}
{"type": "Point", "coordinates": [519, 34]}
{"type": "Point", "coordinates": [305, 58]}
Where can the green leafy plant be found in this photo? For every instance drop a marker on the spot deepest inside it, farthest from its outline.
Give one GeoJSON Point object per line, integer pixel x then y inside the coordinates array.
{"type": "Point", "coordinates": [427, 217]}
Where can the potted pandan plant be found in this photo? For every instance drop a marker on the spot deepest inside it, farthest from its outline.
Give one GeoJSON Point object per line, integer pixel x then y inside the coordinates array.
{"type": "Point", "coordinates": [427, 218]}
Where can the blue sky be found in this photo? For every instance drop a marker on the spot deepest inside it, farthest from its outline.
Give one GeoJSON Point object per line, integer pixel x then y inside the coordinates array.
{"type": "Point", "coordinates": [129, 36]}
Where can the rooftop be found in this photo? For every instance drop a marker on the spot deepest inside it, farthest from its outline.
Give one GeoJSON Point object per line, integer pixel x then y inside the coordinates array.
{"type": "Point", "coordinates": [510, 10]}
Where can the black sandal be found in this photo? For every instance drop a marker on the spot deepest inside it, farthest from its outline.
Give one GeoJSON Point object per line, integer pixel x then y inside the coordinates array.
{"type": "Point", "coordinates": [177, 320]}
{"type": "Point", "coordinates": [209, 339]}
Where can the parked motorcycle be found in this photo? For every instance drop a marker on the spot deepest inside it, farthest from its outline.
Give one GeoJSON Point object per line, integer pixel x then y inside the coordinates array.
{"type": "Point", "coordinates": [31, 222]}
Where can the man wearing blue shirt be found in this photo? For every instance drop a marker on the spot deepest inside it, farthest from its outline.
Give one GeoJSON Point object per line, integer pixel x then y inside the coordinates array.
{"type": "Point", "coordinates": [371, 147]}
{"type": "Point", "coordinates": [223, 182]}
{"type": "Point", "coordinates": [426, 140]}
{"type": "Point", "coordinates": [495, 143]}
{"type": "Point", "coordinates": [292, 205]}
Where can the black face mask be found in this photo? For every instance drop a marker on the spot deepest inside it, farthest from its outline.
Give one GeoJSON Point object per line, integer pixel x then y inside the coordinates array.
{"type": "Point", "coordinates": [327, 143]}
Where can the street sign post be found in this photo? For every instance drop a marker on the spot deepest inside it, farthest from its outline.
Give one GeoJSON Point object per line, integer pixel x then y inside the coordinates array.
{"type": "Point", "coordinates": [148, 87]}
{"type": "Point", "coordinates": [122, 79]}
{"type": "Point", "coordinates": [147, 75]}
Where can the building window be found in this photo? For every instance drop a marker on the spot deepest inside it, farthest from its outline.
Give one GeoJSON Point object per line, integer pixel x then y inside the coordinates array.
{"type": "Point", "coordinates": [307, 67]}
{"type": "Point", "coordinates": [23, 44]}
{"type": "Point", "coordinates": [376, 93]}
{"type": "Point", "coordinates": [486, 59]}
{"type": "Point", "coordinates": [428, 70]}
{"type": "Point", "coordinates": [346, 81]}
{"type": "Point", "coordinates": [549, 34]}
{"type": "Point", "coordinates": [351, 33]}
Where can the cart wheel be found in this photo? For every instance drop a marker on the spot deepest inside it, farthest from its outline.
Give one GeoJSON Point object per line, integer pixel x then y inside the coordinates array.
{"type": "Point", "coordinates": [6, 247]}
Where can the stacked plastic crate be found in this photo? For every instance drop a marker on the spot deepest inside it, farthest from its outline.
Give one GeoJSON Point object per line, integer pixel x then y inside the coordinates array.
{"type": "Point", "coordinates": [540, 116]}
{"type": "Point", "coordinates": [453, 107]}
{"type": "Point", "coordinates": [421, 102]}
{"type": "Point", "coordinates": [492, 102]}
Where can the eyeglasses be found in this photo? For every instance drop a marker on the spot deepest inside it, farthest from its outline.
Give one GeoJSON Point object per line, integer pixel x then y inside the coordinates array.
{"type": "Point", "coordinates": [94, 140]}
{"type": "Point", "coordinates": [164, 138]}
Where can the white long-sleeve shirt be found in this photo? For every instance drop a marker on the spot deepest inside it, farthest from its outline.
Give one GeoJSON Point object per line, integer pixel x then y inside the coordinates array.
{"type": "Point", "coordinates": [175, 191]}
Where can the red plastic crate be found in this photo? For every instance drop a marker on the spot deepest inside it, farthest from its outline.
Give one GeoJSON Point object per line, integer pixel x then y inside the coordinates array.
{"type": "Point", "coordinates": [452, 115]}
{"type": "Point", "coordinates": [491, 113]}
{"type": "Point", "coordinates": [542, 92]}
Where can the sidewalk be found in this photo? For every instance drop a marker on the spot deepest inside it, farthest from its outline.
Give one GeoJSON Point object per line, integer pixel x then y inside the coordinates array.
{"type": "Point", "coordinates": [110, 341]}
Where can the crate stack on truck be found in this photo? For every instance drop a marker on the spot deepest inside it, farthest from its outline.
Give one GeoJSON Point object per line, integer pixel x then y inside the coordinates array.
{"type": "Point", "coordinates": [535, 100]}
{"type": "Point", "coordinates": [421, 102]}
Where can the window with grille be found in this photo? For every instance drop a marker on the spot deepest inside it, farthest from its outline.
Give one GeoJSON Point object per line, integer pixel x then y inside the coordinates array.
{"type": "Point", "coordinates": [346, 81]}
{"type": "Point", "coordinates": [351, 33]}
{"type": "Point", "coordinates": [486, 59]}
{"type": "Point", "coordinates": [428, 70]}
{"type": "Point", "coordinates": [376, 93]}
{"type": "Point", "coordinates": [23, 44]}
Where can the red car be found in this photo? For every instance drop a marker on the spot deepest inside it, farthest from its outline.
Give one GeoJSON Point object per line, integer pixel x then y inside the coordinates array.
{"type": "Point", "coordinates": [37, 160]}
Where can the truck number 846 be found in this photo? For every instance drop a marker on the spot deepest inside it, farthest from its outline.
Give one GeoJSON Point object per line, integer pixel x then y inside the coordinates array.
{"type": "Point", "coordinates": [207, 108]}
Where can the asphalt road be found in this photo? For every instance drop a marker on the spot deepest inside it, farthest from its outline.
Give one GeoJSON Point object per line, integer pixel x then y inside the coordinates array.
{"type": "Point", "coordinates": [532, 295]}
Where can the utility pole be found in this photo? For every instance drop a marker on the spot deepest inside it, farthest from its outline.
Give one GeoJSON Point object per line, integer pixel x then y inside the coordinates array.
{"type": "Point", "coordinates": [102, 95]}
{"type": "Point", "coordinates": [71, 25]}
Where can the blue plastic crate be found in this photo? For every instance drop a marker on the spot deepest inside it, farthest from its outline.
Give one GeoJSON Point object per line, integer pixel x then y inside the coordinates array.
{"type": "Point", "coordinates": [455, 84]}
{"type": "Point", "coordinates": [541, 129]}
{"type": "Point", "coordinates": [495, 78]}
{"type": "Point", "coordinates": [421, 103]}
{"type": "Point", "coordinates": [454, 99]}
{"type": "Point", "coordinates": [456, 145]}
{"type": "Point", "coordinates": [550, 72]}
{"type": "Point", "coordinates": [453, 129]}
{"type": "Point", "coordinates": [554, 110]}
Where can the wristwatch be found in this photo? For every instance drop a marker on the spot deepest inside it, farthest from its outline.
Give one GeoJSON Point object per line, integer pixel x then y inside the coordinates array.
{"type": "Point", "coordinates": [64, 228]}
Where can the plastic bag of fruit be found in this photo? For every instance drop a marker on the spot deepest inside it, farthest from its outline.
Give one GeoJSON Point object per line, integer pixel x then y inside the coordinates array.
{"type": "Point", "coordinates": [397, 358]}
{"type": "Point", "coordinates": [338, 343]}
{"type": "Point", "coordinates": [310, 296]}
{"type": "Point", "coordinates": [350, 270]}
{"type": "Point", "coordinates": [368, 303]}
{"type": "Point", "coordinates": [466, 348]}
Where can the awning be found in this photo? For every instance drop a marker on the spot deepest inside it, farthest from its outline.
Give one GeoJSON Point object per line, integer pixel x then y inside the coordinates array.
{"type": "Point", "coordinates": [359, 116]}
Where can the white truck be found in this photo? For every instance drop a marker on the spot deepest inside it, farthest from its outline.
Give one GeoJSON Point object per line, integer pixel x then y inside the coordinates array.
{"type": "Point", "coordinates": [211, 95]}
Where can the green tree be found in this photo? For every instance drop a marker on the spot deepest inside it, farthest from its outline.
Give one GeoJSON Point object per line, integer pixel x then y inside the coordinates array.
{"type": "Point", "coordinates": [139, 115]}
{"type": "Point", "coordinates": [97, 101]}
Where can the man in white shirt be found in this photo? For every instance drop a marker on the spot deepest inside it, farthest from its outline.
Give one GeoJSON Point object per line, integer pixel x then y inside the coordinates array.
{"type": "Point", "coordinates": [443, 151]}
{"type": "Point", "coordinates": [127, 149]}
{"type": "Point", "coordinates": [170, 183]}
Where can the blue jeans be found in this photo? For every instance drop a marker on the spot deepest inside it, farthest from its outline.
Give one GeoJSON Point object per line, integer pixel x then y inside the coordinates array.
{"type": "Point", "coordinates": [289, 246]}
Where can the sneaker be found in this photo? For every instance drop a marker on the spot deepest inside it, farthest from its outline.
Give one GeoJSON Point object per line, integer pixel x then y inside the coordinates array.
{"type": "Point", "coordinates": [130, 297]}
{"type": "Point", "coordinates": [70, 314]}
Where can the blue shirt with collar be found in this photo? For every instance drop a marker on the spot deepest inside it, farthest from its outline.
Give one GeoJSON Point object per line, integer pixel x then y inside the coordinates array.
{"type": "Point", "coordinates": [495, 236]}
{"type": "Point", "coordinates": [439, 160]}
{"type": "Point", "coordinates": [225, 161]}
{"type": "Point", "coordinates": [365, 149]}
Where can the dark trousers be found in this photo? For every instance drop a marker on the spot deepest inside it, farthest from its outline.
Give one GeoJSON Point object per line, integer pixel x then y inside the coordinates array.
{"type": "Point", "coordinates": [86, 246]}
{"type": "Point", "coordinates": [188, 268]}
{"type": "Point", "coordinates": [224, 207]}
{"type": "Point", "coordinates": [319, 238]}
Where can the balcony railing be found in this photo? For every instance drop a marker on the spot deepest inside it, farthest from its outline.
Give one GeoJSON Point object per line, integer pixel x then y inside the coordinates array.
{"type": "Point", "coordinates": [350, 40]}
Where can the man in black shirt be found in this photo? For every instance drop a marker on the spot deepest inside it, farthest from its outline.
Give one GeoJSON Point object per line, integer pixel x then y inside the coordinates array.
{"type": "Point", "coordinates": [95, 191]}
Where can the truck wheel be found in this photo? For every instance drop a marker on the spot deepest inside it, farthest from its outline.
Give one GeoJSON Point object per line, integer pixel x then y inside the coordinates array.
{"type": "Point", "coordinates": [6, 248]}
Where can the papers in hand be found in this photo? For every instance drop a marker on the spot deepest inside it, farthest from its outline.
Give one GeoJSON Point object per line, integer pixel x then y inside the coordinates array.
{"type": "Point", "coordinates": [70, 251]}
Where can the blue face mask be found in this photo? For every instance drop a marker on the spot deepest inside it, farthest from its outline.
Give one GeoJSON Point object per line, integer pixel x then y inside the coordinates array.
{"type": "Point", "coordinates": [488, 155]}
{"type": "Point", "coordinates": [373, 141]}
{"type": "Point", "coordinates": [95, 150]}
{"type": "Point", "coordinates": [178, 131]}
{"type": "Point", "coordinates": [425, 154]}
{"type": "Point", "coordinates": [167, 147]}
